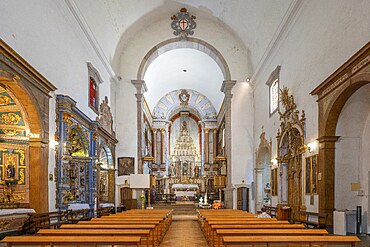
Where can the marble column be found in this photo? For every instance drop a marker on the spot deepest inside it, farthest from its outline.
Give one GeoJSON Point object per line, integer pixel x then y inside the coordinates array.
{"type": "Point", "coordinates": [202, 145]}
{"type": "Point", "coordinates": [167, 146]}
{"type": "Point", "coordinates": [140, 90]}
{"type": "Point", "coordinates": [163, 146]}
{"type": "Point", "coordinates": [155, 145]}
{"type": "Point", "coordinates": [226, 88]}
{"type": "Point", "coordinates": [206, 146]}
{"type": "Point", "coordinates": [214, 145]}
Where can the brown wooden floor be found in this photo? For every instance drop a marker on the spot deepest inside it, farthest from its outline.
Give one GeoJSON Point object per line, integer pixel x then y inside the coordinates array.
{"type": "Point", "coordinates": [184, 232]}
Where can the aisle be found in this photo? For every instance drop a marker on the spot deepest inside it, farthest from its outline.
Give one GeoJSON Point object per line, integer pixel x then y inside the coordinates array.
{"type": "Point", "coordinates": [184, 232]}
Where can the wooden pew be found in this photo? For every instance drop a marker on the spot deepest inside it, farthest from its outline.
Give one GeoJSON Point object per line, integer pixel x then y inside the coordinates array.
{"type": "Point", "coordinates": [266, 232]}
{"type": "Point", "coordinates": [211, 234]}
{"type": "Point", "coordinates": [71, 240]}
{"type": "Point", "coordinates": [151, 227]}
{"type": "Point", "coordinates": [143, 233]}
{"type": "Point", "coordinates": [296, 240]}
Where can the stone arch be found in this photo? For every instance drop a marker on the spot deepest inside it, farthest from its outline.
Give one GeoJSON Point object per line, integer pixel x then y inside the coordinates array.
{"type": "Point", "coordinates": [333, 93]}
{"type": "Point", "coordinates": [176, 43]}
{"type": "Point", "coordinates": [262, 171]}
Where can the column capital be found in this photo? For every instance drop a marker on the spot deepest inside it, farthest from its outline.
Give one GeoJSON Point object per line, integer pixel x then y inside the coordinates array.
{"type": "Point", "coordinates": [140, 86]}
{"type": "Point", "coordinates": [154, 131]}
{"type": "Point", "coordinates": [227, 86]}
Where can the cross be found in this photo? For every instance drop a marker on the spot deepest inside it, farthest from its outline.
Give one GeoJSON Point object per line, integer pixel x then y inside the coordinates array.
{"type": "Point", "coordinates": [183, 24]}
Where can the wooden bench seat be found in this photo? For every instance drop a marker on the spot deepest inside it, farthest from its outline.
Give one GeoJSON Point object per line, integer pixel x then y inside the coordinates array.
{"type": "Point", "coordinates": [293, 240]}
{"type": "Point", "coordinates": [71, 240]}
{"type": "Point", "coordinates": [147, 238]}
{"type": "Point", "coordinates": [217, 241]}
{"type": "Point", "coordinates": [310, 219]}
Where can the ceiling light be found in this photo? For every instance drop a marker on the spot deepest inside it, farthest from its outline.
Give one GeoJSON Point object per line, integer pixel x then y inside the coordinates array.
{"type": "Point", "coordinates": [184, 70]}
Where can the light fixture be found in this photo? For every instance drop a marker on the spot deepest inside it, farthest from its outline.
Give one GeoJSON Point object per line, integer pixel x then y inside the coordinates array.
{"type": "Point", "coordinates": [248, 79]}
{"type": "Point", "coordinates": [311, 147]}
{"type": "Point", "coordinates": [274, 161]}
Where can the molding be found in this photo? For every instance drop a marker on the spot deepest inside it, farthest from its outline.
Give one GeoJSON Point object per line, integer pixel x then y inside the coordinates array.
{"type": "Point", "coordinates": [73, 8]}
{"type": "Point", "coordinates": [280, 32]}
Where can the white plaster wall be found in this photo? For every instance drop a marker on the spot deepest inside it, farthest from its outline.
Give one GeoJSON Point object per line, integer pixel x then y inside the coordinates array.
{"type": "Point", "coordinates": [322, 38]}
{"type": "Point", "coordinates": [351, 156]}
{"type": "Point", "coordinates": [47, 36]}
{"type": "Point", "coordinates": [242, 138]}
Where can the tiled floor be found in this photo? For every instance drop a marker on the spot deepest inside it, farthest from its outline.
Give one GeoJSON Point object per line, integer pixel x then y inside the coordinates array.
{"type": "Point", "coordinates": [184, 232]}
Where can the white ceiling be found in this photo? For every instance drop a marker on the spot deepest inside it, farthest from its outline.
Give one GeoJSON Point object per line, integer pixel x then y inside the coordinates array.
{"type": "Point", "coordinates": [165, 74]}
{"type": "Point", "coordinates": [114, 22]}
{"type": "Point", "coordinates": [253, 21]}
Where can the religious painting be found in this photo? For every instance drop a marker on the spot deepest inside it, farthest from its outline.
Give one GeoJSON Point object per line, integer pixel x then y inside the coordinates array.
{"type": "Point", "coordinates": [274, 182]}
{"type": "Point", "coordinates": [125, 166]}
{"type": "Point", "coordinates": [311, 174]}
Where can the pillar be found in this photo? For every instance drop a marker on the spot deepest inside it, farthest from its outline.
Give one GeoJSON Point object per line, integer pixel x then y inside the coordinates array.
{"type": "Point", "coordinates": [326, 171]}
{"type": "Point", "coordinates": [167, 154]}
{"type": "Point", "coordinates": [155, 145]}
{"type": "Point", "coordinates": [206, 146]}
{"type": "Point", "coordinates": [214, 145]}
{"type": "Point", "coordinates": [226, 89]}
{"type": "Point", "coordinates": [140, 90]}
{"type": "Point", "coordinates": [163, 146]}
{"type": "Point", "coordinates": [202, 145]}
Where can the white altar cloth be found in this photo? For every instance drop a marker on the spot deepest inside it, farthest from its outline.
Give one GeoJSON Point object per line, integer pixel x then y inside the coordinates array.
{"type": "Point", "coordinates": [106, 205]}
{"type": "Point", "coordinates": [78, 206]}
{"type": "Point", "coordinates": [185, 186]}
{"type": "Point", "coordinates": [16, 211]}
{"type": "Point", "coordinates": [185, 193]}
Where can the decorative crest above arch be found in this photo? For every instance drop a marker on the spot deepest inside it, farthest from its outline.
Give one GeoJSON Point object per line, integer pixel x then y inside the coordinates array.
{"type": "Point", "coordinates": [196, 103]}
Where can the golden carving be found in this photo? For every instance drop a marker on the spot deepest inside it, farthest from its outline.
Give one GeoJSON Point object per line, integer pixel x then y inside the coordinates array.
{"type": "Point", "coordinates": [11, 132]}
{"type": "Point", "coordinates": [4, 100]}
{"type": "Point", "coordinates": [21, 160]}
{"type": "Point", "coordinates": [21, 176]}
{"type": "Point", "coordinates": [19, 196]}
{"type": "Point", "coordinates": [4, 223]}
{"type": "Point", "coordinates": [10, 118]}
{"type": "Point", "coordinates": [290, 139]}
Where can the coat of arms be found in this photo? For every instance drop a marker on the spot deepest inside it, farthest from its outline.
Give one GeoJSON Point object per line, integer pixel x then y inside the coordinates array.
{"type": "Point", "coordinates": [183, 23]}
{"type": "Point", "coordinates": [184, 97]}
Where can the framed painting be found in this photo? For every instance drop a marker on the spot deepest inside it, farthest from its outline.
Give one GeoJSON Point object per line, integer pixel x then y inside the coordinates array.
{"type": "Point", "coordinates": [125, 166]}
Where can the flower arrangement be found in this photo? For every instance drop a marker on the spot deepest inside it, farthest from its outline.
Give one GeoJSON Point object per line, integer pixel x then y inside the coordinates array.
{"type": "Point", "coordinates": [142, 197]}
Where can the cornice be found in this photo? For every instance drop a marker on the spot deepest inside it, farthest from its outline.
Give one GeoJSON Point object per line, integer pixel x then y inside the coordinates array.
{"type": "Point", "coordinates": [73, 8]}
{"type": "Point", "coordinates": [279, 34]}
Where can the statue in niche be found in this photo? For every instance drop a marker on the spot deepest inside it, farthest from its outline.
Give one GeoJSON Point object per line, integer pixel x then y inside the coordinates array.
{"type": "Point", "coordinates": [10, 171]}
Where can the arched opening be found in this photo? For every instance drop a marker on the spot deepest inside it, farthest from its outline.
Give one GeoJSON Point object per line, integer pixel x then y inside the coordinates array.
{"type": "Point", "coordinates": [106, 175]}
{"type": "Point", "coordinates": [177, 43]}
{"type": "Point", "coordinates": [352, 169]}
{"type": "Point", "coordinates": [263, 173]}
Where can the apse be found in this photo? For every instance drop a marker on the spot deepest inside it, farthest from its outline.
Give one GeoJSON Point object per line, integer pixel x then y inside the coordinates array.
{"type": "Point", "coordinates": [184, 68]}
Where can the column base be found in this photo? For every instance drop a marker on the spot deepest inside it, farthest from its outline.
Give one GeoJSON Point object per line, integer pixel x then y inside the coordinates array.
{"type": "Point", "coordinates": [229, 197]}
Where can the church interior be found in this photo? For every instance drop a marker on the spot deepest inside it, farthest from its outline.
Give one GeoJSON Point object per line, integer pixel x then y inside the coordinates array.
{"type": "Point", "coordinates": [198, 114]}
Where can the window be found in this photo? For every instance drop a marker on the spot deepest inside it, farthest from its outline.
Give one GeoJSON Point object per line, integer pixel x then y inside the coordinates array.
{"type": "Point", "coordinates": [93, 101]}
{"type": "Point", "coordinates": [94, 81]}
{"type": "Point", "coordinates": [311, 175]}
{"type": "Point", "coordinates": [273, 83]}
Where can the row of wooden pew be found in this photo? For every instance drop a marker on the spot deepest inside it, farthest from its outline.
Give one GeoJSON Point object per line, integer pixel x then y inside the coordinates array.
{"type": "Point", "coordinates": [134, 227]}
{"type": "Point", "coordinates": [239, 228]}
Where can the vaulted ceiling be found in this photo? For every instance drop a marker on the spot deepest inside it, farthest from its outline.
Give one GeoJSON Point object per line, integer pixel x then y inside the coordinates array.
{"type": "Point", "coordinates": [114, 22]}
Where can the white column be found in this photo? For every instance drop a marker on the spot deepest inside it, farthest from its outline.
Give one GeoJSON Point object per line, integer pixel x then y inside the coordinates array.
{"type": "Point", "coordinates": [226, 89]}
{"type": "Point", "coordinates": [140, 90]}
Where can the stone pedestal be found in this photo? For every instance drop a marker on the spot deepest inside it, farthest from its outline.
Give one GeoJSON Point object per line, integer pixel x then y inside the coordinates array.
{"type": "Point", "coordinates": [229, 197]}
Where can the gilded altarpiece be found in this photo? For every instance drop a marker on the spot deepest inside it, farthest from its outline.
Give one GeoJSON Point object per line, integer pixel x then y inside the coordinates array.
{"type": "Point", "coordinates": [76, 171]}
{"type": "Point", "coordinates": [290, 140]}
{"type": "Point", "coordinates": [106, 154]}
{"type": "Point", "coordinates": [24, 130]}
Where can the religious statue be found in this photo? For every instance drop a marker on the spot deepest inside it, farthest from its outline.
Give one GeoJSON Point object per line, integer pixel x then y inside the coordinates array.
{"type": "Point", "coordinates": [10, 171]}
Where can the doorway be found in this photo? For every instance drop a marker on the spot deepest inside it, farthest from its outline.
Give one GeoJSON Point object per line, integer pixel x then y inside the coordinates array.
{"type": "Point", "coordinates": [243, 199]}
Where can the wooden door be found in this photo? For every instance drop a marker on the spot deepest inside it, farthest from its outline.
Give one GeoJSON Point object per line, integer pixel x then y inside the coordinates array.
{"type": "Point", "coordinates": [243, 199]}
{"type": "Point", "coordinates": [126, 197]}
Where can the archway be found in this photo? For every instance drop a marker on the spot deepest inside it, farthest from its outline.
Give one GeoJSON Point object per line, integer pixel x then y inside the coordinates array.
{"type": "Point", "coordinates": [263, 173]}
{"type": "Point", "coordinates": [176, 43]}
{"type": "Point", "coordinates": [333, 94]}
